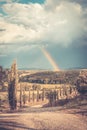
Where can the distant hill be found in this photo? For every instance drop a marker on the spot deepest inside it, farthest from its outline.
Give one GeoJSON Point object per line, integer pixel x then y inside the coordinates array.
{"type": "Point", "coordinates": [54, 77]}
{"type": "Point", "coordinates": [50, 69]}
{"type": "Point", "coordinates": [76, 68]}
{"type": "Point", "coordinates": [34, 69]}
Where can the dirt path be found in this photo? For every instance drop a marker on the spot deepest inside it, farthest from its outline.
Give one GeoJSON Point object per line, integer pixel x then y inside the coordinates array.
{"type": "Point", "coordinates": [42, 119]}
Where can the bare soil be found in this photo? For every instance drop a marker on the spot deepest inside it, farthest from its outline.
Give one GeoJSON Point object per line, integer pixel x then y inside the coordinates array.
{"type": "Point", "coordinates": [37, 118]}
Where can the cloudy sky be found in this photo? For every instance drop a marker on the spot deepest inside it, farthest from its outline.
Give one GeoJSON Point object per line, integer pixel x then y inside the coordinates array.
{"type": "Point", "coordinates": [58, 26]}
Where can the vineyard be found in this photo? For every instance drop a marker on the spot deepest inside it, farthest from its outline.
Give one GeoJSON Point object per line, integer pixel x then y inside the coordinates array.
{"type": "Point", "coordinates": [46, 88]}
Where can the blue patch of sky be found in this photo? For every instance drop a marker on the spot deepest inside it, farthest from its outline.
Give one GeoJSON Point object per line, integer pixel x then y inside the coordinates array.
{"type": "Point", "coordinates": [2, 2]}
{"type": "Point", "coordinates": [20, 1]}
{"type": "Point", "coordinates": [66, 58]}
{"type": "Point", "coordinates": [24, 1]}
{"type": "Point", "coordinates": [31, 1]}
{"type": "Point", "coordinates": [6, 61]}
{"type": "Point", "coordinates": [70, 57]}
{"type": "Point", "coordinates": [33, 58]}
{"type": "Point", "coordinates": [2, 12]}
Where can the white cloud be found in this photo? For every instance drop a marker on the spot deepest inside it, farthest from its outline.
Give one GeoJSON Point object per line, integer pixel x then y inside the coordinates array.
{"type": "Point", "coordinates": [53, 22]}
{"type": "Point", "coordinates": [9, 1]}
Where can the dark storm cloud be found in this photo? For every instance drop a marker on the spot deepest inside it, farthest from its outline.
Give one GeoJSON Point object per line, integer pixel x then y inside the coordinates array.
{"type": "Point", "coordinates": [81, 2]}
{"type": "Point", "coordinates": [1, 30]}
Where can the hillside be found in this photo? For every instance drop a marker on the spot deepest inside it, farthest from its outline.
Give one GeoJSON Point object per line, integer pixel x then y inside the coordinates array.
{"type": "Point", "coordinates": [53, 77]}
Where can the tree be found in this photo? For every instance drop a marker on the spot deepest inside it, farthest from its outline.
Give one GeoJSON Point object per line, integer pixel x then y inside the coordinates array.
{"type": "Point", "coordinates": [12, 95]}
{"type": "Point", "coordinates": [43, 94]}
{"type": "Point", "coordinates": [12, 88]}
{"type": "Point", "coordinates": [82, 84]}
{"type": "Point", "coordinates": [20, 95]}
{"type": "Point", "coordinates": [52, 96]}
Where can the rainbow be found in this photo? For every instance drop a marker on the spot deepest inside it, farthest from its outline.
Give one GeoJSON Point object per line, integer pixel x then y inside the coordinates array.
{"type": "Point", "coordinates": [50, 59]}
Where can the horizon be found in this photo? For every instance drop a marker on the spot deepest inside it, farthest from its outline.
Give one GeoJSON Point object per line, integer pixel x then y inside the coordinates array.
{"type": "Point", "coordinates": [42, 69]}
